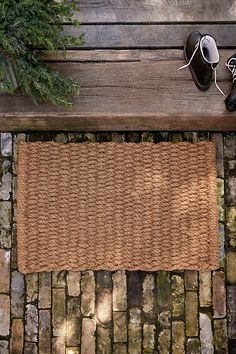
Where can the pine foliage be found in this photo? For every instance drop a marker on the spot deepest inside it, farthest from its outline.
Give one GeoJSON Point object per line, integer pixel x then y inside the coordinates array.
{"type": "Point", "coordinates": [26, 28]}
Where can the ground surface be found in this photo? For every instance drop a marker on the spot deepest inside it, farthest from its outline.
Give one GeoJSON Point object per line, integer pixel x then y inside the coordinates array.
{"type": "Point", "coordinates": [122, 312]}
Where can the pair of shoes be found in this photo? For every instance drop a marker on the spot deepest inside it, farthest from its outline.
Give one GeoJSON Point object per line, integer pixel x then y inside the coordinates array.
{"type": "Point", "coordinates": [202, 57]}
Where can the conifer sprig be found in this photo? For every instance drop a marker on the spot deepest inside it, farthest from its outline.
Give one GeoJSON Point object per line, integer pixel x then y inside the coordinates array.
{"type": "Point", "coordinates": [26, 28]}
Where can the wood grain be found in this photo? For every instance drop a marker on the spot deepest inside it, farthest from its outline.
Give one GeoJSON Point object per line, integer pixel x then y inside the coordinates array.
{"type": "Point", "coordinates": [129, 55]}
{"type": "Point", "coordinates": [129, 95]}
{"type": "Point", "coordinates": [120, 11]}
{"type": "Point", "coordinates": [150, 36]}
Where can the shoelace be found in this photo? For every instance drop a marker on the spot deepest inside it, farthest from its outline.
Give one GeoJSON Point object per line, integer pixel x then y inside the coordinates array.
{"type": "Point", "coordinates": [214, 69]}
{"type": "Point", "coordinates": [232, 68]}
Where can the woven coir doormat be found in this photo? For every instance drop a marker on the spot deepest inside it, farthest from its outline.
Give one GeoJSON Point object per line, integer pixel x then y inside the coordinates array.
{"type": "Point", "coordinates": [116, 206]}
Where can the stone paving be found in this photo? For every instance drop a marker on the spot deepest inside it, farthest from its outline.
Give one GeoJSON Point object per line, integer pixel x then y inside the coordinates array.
{"type": "Point", "coordinates": [118, 312]}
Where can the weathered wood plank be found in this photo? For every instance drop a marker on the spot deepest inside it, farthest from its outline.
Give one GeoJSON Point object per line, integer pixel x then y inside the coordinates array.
{"type": "Point", "coordinates": [127, 96]}
{"type": "Point", "coordinates": [116, 55]}
{"type": "Point", "coordinates": [125, 122]}
{"type": "Point", "coordinates": [150, 36]}
{"type": "Point", "coordinates": [130, 55]}
{"type": "Point", "coordinates": [102, 11]}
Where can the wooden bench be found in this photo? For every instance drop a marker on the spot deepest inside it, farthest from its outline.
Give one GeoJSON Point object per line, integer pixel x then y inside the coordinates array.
{"type": "Point", "coordinates": [128, 70]}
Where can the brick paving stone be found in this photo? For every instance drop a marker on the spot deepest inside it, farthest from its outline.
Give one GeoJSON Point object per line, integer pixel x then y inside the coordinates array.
{"type": "Point", "coordinates": [17, 294]}
{"type": "Point", "coordinates": [31, 319]}
{"type": "Point", "coordinates": [87, 293]}
{"type": "Point", "coordinates": [59, 279]}
{"type": "Point", "coordinates": [76, 137]}
{"type": "Point", "coordinates": [45, 332]}
{"type": "Point", "coordinates": [103, 340]}
{"type": "Point", "coordinates": [178, 338]}
{"type": "Point", "coordinates": [104, 305]}
{"type": "Point", "coordinates": [164, 319]}
{"type": "Point", "coordinates": [104, 279]}
{"type": "Point", "coordinates": [231, 220]}
{"type": "Point", "coordinates": [120, 327]}
{"type": "Point", "coordinates": [134, 331]}
{"type": "Point", "coordinates": [103, 137]}
{"type": "Point", "coordinates": [61, 138]}
{"type": "Point", "coordinates": [73, 283]}
{"type": "Point", "coordinates": [220, 199]}
{"type": "Point", "coordinates": [17, 336]}
{"type": "Point", "coordinates": [5, 315]}
{"type": "Point", "coordinates": [14, 188]}
{"type": "Point", "coordinates": [177, 285]}
{"type": "Point", "coordinates": [45, 290]}
{"type": "Point", "coordinates": [90, 137]}
{"type": "Point", "coordinates": [231, 190]}
{"type": "Point", "coordinates": [4, 271]}
{"type": "Point", "coordinates": [191, 280]}
{"type": "Point", "coordinates": [203, 136]}
{"type": "Point", "coordinates": [5, 215]}
{"type": "Point", "coordinates": [5, 238]}
{"type": "Point", "coordinates": [148, 137]}
{"type": "Point", "coordinates": [58, 312]}
{"type": "Point", "coordinates": [220, 336]}
{"type": "Point", "coordinates": [231, 296]}
{"type": "Point", "coordinates": [133, 137]}
{"type": "Point", "coordinates": [164, 299]}
{"type": "Point", "coordinates": [164, 341]}
{"type": "Point", "coordinates": [230, 165]}
{"type": "Point", "coordinates": [134, 288]}
{"type": "Point", "coordinates": [4, 347]}
{"type": "Point", "coordinates": [217, 139]}
{"type": "Point", "coordinates": [162, 136]}
{"type": "Point", "coordinates": [73, 308]}
{"type": "Point", "coordinates": [205, 288]}
{"type": "Point", "coordinates": [222, 244]}
{"type": "Point", "coordinates": [31, 287]}
{"type": "Point", "coordinates": [88, 337]}
{"type": "Point", "coordinates": [149, 294]}
{"type": "Point", "coordinates": [31, 348]}
{"type": "Point", "coordinates": [191, 313]}
{"type": "Point", "coordinates": [118, 137]}
{"type": "Point", "coordinates": [190, 136]}
{"type": "Point", "coordinates": [206, 335]}
{"type": "Point", "coordinates": [73, 330]}
{"type": "Point", "coordinates": [149, 331]}
{"type": "Point", "coordinates": [58, 345]}
{"type": "Point", "coordinates": [5, 223]}
{"type": "Point", "coordinates": [72, 350]}
{"type": "Point", "coordinates": [6, 144]}
{"type": "Point", "coordinates": [219, 294]}
{"type": "Point", "coordinates": [175, 137]}
{"type": "Point", "coordinates": [231, 267]}
{"type": "Point", "coordinates": [5, 180]}
{"type": "Point", "coordinates": [230, 145]}
{"type": "Point", "coordinates": [119, 291]}
{"type": "Point", "coordinates": [17, 138]}
{"type": "Point", "coordinates": [14, 213]}
{"type": "Point", "coordinates": [193, 346]}
{"type": "Point", "coordinates": [119, 348]}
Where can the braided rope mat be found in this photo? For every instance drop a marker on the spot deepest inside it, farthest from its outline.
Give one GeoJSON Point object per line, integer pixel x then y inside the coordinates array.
{"type": "Point", "coordinates": [115, 206]}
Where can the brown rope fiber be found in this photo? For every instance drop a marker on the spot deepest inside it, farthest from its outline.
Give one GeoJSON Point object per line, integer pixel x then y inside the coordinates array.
{"type": "Point", "coordinates": [116, 206]}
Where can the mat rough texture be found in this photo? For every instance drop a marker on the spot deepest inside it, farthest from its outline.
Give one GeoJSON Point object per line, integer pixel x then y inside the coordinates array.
{"type": "Point", "coordinates": [116, 206]}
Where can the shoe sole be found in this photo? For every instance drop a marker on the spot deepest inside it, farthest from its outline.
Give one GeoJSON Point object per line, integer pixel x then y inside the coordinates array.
{"type": "Point", "coordinates": [198, 85]}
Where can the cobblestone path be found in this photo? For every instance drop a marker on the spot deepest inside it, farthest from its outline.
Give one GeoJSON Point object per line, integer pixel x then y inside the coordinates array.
{"type": "Point", "coordinates": [118, 312]}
